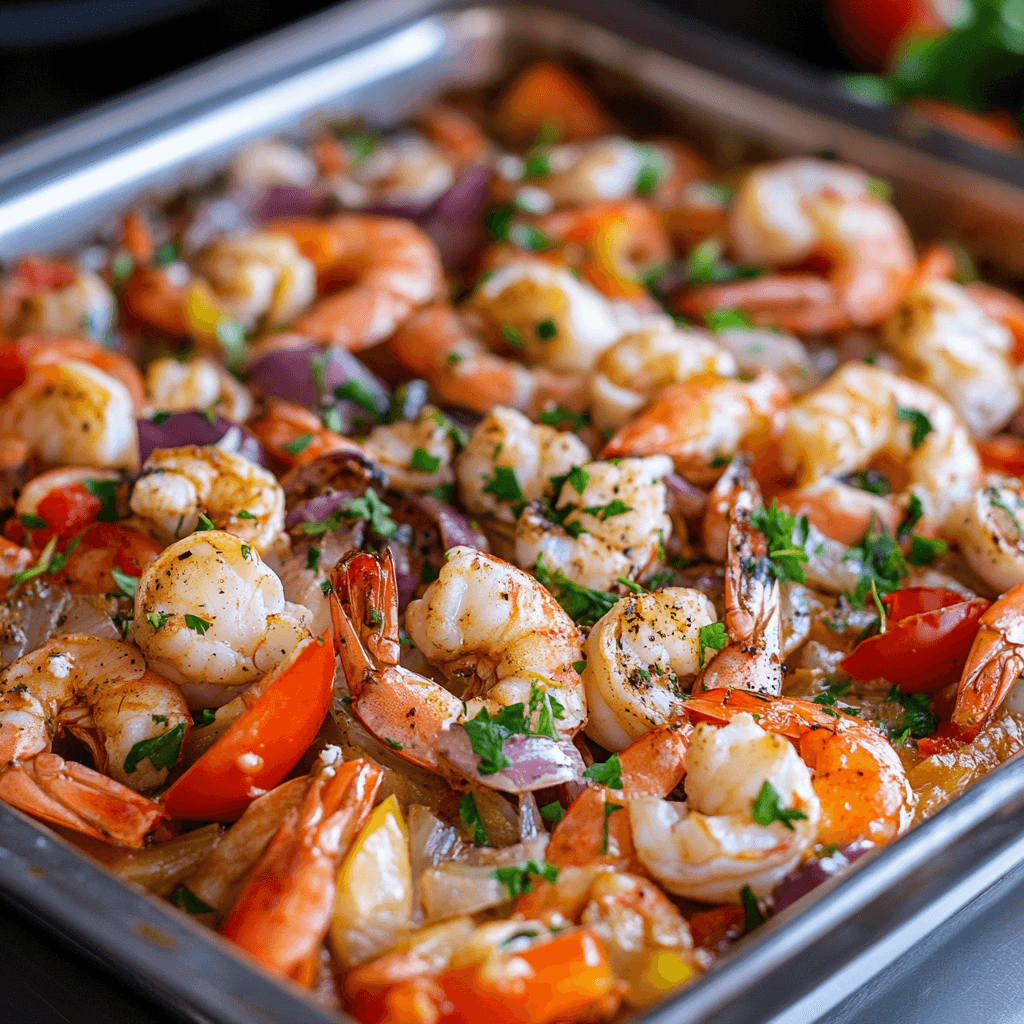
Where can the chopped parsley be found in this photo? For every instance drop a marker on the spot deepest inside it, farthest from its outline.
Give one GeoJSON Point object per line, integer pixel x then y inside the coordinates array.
{"type": "Point", "coordinates": [368, 507]}
{"type": "Point", "coordinates": [50, 561]}
{"type": "Point", "coordinates": [158, 620]}
{"type": "Point", "coordinates": [106, 491]}
{"type": "Point", "coordinates": [920, 425]}
{"type": "Point", "coordinates": [393, 744]}
{"type": "Point", "coordinates": [924, 550]}
{"type": "Point", "coordinates": [751, 911]}
{"type": "Point", "coordinates": [517, 880]}
{"type": "Point", "coordinates": [915, 510]}
{"type": "Point", "coordinates": [360, 145]}
{"type": "Point", "coordinates": [423, 462]}
{"type": "Point", "coordinates": [204, 522]}
{"type": "Point", "coordinates": [504, 485]}
{"type": "Point", "coordinates": [537, 164]}
{"type": "Point", "coordinates": [246, 551]}
{"type": "Point", "coordinates": [577, 478]}
{"type": "Point", "coordinates": [207, 717]}
{"type": "Point", "coordinates": [721, 319]}
{"type": "Point", "coordinates": [160, 416]}
{"type": "Point", "coordinates": [245, 514]}
{"type": "Point", "coordinates": [312, 558]}
{"type": "Point", "coordinates": [32, 522]}
{"type": "Point", "coordinates": [562, 419]}
{"type": "Point", "coordinates": [161, 750]}
{"type": "Point", "coordinates": [607, 773]}
{"type": "Point", "coordinates": [356, 391]}
{"type": "Point", "coordinates": [713, 637]}
{"type": "Point", "coordinates": [471, 819]}
{"type": "Point", "coordinates": [194, 622]}
{"type": "Point", "coordinates": [882, 564]}
{"type": "Point", "coordinates": [609, 810]}
{"type": "Point", "coordinates": [231, 337]}
{"type": "Point", "coordinates": [786, 539]}
{"type": "Point", "coordinates": [513, 336]}
{"type": "Point", "coordinates": [767, 807]}
{"type": "Point", "coordinates": [552, 812]}
{"type": "Point", "coordinates": [705, 265]}
{"type": "Point", "coordinates": [583, 605]}
{"type": "Point", "coordinates": [579, 666]}
{"type": "Point", "coordinates": [870, 480]}
{"type": "Point", "coordinates": [652, 169]}
{"type": "Point", "coordinates": [996, 500]}
{"type": "Point", "coordinates": [615, 507]}
{"type": "Point", "coordinates": [546, 330]}
{"type": "Point", "coordinates": [181, 897]}
{"type": "Point", "coordinates": [917, 719]}
{"type": "Point", "coordinates": [125, 584]}
{"type": "Point", "coordinates": [487, 734]}
{"type": "Point", "coordinates": [299, 445]}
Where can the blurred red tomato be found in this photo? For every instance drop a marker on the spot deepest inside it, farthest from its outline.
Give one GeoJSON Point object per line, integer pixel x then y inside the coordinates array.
{"type": "Point", "coordinates": [867, 29]}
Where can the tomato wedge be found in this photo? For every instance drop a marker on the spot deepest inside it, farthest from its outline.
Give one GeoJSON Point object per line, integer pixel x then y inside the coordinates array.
{"type": "Point", "coordinates": [929, 635]}
{"type": "Point", "coordinates": [273, 734]}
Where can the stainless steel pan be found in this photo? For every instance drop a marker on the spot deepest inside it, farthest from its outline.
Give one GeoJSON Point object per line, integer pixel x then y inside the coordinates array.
{"type": "Point", "coordinates": [380, 61]}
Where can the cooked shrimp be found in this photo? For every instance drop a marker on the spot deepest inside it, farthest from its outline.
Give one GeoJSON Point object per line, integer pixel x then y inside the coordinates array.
{"type": "Point", "coordinates": [178, 485]}
{"type": "Point", "coordinates": [856, 773]}
{"type": "Point", "coordinates": [516, 651]}
{"type": "Point", "coordinates": [416, 455]}
{"type": "Point", "coordinates": [752, 658]}
{"type": "Point", "coordinates": [542, 310]}
{"type": "Point", "coordinates": [788, 211]}
{"type": "Point", "coordinates": [994, 663]}
{"type": "Point", "coordinates": [610, 522]}
{"type": "Point", "coordinates": [211, 616]}
{"type": "Point", "coordinates": [711, 846]}
{"type": "Point", "coordinates": [101, 692]}
{"type": "Point", "coordinates": [944, 340]}
{"type": "Point", "coordinates": [71, 413]}
{"type": "Point", "coordinates": [991, 536]}
{"type": "Point", "coordinates": [293, 435]}
{"type": "Point", "coordinates": [395, 268]}
{"type": "Point", "coordinates": [435, 344]}
{"type": "Point", "coordinates": [644, 362]}
{"type": "Point", "coordinates": [647, 939]}
{"type": "Point", "coordinates": [861, 414]}
{"type": "Point", "coordinates": [47, 297]}
{"type": "Point", "coordinates": [259, 278]}
{"type": "Point", "coordinates": [271, 162]}
{"type": "Point", "coordinates": [701, 421]}
{"type": "Point", "coordinates": [756, 351]}
{"type": "Point", "coordinates": [200, 383]}
{"type": "Point", "coordinates": [284, 910]}
{"type": "Point", "coordinates": [404, 169]}
{"type": "Point", "coordinates": [509, 460]}
{"type": "Point", "coordinates": [641, 657]}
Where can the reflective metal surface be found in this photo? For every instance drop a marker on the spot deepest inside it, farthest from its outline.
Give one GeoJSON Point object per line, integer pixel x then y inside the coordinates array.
{"type": "Point", "coordinates": [380, 61]}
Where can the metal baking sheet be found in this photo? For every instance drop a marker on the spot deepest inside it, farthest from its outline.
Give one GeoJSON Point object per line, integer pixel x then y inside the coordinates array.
{"type": "Point", "coordinates": [379, 61]}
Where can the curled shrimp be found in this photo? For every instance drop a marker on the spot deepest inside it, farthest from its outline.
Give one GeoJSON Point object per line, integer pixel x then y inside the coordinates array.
{"type": "Point", "coordinates": [259, 278]}
{"type": "Point", "coordinates": [507, 447]}
{"type": "Point", "coordinates": [71, 413]}
{"type": "Point", "coordinates": [862, 416]}
{"type": "Point", "coordinates": [178, 485]}
{"type": "Point", "coordinates": [519, 650]}
{"type": "Point", "coordinates": [553, 319]}
{"type": "Point", "coordinates": [789, 211]}
{"type": "Point", "coordinates": [990, 535]}
{"type": "Point", "coordinates": [416, 454]}
{"type": "Point", "coordinates": [201, 383]}
{"type": "Point", "coordinates": [387, 267]}
{"type": "Point", "coordinates": [701, 421]}
{"type": "Point", "coordinates": [48, 297]}
{"type": "Point", "coordinates": [435, 344]}
{"type": "Point", "coordinates": [293, 435]}
{"type": "Point", "coordinates": [711, 846]}
{"type": "Point", "coordinates": [610, 522]}
{"type": "Point", "coordinates": [101, 692]}
{"type": "Point", "coordinates": [641, 656]}
{"type": "Point", "coordinates": [642, 363]}
{"type": "Point", "coordinates": [995, 661]}
{"type": "Point", "coordinates": [284, 909]}
{"type": "Point", "coordinates": [211, 616]}
{"type": "Point", "coordinates": [271, 162]}
{"type": "Point", "coordinates": [945, 340]}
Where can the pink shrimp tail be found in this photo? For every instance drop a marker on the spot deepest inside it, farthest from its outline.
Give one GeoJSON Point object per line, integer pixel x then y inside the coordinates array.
{"type": "Point", "coordinates": [70, 794]}
{"type": "Point", "coordinates": [284, 910]}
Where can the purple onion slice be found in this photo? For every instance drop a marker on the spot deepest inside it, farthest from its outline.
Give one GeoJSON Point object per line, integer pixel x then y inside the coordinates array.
{"type": "Point", "coordinates": [537, 761]}
{"type": "Point", "coordinates": [196, 428]}
{"type": "Point", "coordinates": [812, 873]}
{"type": "Point", "coordinates": [452, 525]}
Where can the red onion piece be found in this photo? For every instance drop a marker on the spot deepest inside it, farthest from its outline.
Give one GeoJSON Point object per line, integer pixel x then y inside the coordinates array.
{"type": "Point", "coordinates": [537, 761]}
{"type": "Point", "coordinates": [408, 209]}
{"type": "Point", "coordinates": [288, 372]}
{"type": "Point", "coordinates": [688, 500]}
{"type": "Point", "coordinates": [195, 428]}
{"type": "Point", "coordinates": [813, 872]}
{"type": "Point", "coordinates": [289, 201]}
{"type": "Point", "coordinates": [454, 222]}
{"type": "Point", "coordinates": [317, 509]}
{"type": "Point", "coordinates": [451, 524]}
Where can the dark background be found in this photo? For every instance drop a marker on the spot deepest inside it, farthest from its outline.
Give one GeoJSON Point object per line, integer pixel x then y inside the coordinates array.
{"type": "Point", "coordinates": [58, 57]}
